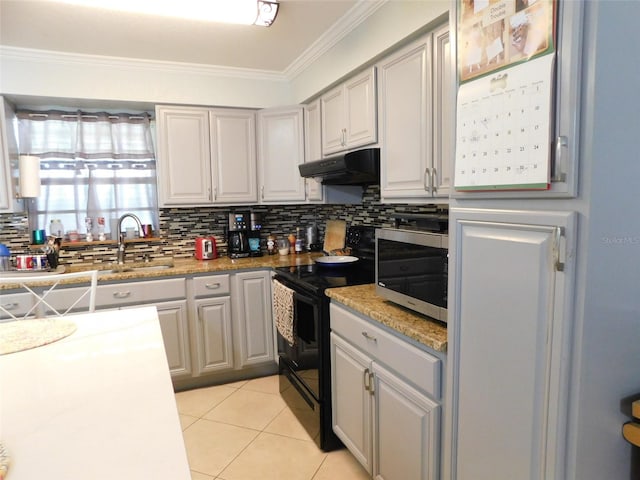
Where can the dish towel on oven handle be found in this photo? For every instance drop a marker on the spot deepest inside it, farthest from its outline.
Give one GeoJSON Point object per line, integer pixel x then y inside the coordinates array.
{"type": "Point", "coordinates": [283, 311]}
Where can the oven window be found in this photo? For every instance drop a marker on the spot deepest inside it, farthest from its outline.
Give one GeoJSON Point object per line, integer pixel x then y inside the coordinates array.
{"type": "Point", "coordinates": [303, 357]}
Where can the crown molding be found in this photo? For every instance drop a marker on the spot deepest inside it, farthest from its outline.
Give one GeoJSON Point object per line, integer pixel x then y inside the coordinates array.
{"type": "Point", "coordinates": [354, 17]}
{"type": "Point", "coordinates": [50, 57]}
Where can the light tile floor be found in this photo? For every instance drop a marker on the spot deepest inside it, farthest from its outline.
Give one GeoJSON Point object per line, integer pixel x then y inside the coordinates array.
{"type": "Point", "coordinates": [245, 431]}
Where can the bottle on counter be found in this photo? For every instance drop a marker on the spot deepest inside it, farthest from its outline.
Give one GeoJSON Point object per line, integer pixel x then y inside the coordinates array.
{"type": "Point", "coordinates": [88, 222]}
{"type": "Point", "coordinates": [101, 235]}
{"type": "Point", "coordinates": [56, 229]}
{"type": "Point", "coordinates": [299, 245]}
{"type": "Point", "coordinates": [292, 243]}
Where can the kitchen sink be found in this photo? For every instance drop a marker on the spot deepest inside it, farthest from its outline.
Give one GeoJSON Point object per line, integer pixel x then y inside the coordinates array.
{"type": "Point", "coordinates": [127, 269]}
{"type": "Point", "coordinates": [132, 267]}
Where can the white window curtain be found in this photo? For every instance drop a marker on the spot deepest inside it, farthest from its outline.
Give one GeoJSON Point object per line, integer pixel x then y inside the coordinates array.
{"type": "Point", "coordinates": [91, 165]}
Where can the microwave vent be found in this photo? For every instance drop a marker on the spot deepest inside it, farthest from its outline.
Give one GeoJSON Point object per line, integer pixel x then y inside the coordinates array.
{"type": "Point", "coordinates": [424, 222]}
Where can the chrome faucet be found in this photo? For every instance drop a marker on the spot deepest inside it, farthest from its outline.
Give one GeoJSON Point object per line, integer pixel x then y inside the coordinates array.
{"type": "Point", "coordinates": [121, 236]}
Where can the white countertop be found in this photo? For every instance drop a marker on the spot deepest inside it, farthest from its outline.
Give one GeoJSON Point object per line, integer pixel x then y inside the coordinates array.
{"type": "Point", "coordinates": [96, 405]}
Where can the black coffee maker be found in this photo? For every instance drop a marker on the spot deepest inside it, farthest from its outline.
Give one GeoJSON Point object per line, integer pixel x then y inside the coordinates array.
{"type": "Point", "coordinates": [238, 235]}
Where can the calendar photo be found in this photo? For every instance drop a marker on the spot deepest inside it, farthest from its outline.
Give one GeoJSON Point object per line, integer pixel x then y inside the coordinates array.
{"type": "Point", "coordinates": [497, 34]}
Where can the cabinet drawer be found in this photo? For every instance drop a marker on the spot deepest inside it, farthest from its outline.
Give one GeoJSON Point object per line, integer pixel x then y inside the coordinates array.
{"type": "Point", "coordinates": [211, 285]}
{"type": "Point", "coordinates": [62, 298]}
{"type": "Point", "coordinates": [140, 292]}
{"type": "Point", "coordinates": [415, 365]}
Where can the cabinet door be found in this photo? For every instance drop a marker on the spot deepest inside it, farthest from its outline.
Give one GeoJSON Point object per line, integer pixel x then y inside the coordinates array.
{"type": "Point", "coordinates": [184, 156]}
{"type": "Point", "coordinates": [508, 342]}
{"type": "Point", "coordinates": [213, 334]}
{"type": "Point", "coordinates": [313, 146]}
{"type": "Point", "coordinates": [405, 123]}
{"type": "Point", "coordinates": [332, 115]}
{"type": "Point", "coordinates": [233, 156]}
{"type": "Point", "coordinates": [350, 401]}
{"type": "Point", "coordinates": [360, 120]}
{"type": "Point", "coordinates": [8, 158]}
{"type": "Point", "coordinates": [349, 114]}
{"type": "Point", "coordinates": [405, 430]}
{"type": "Point", "coordinates": [175, 333]}
{"type": "Point", "coordinates": [281, 150]}
{"type": "Point", "coordinates": [444, 102]}
{"type": "Point", "coordinates": [252, 316]}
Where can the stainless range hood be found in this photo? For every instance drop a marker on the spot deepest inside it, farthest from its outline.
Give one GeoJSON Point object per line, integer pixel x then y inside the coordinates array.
{"type": "Point", "coordinates": [360, 167]}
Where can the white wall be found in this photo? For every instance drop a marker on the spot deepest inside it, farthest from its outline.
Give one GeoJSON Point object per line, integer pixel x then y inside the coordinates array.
{"type": "Point", "coordinates": [390, 24]}
{"type": "Point", "coordinates": [607, 337]}
{"type": "Point", "coordinates": [46, 74]}
{"type": "Point", "coordinates": [52, 75]}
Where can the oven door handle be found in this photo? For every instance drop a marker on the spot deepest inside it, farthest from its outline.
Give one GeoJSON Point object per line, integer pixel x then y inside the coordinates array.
{"type": "Point", "coordinates": [304, 298]}
{"type": "Point", "coordinates": [296, 293]}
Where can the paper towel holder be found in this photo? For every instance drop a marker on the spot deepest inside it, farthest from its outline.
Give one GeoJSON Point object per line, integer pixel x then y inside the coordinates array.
{"type": "Point", "coordinates": [29, 176]}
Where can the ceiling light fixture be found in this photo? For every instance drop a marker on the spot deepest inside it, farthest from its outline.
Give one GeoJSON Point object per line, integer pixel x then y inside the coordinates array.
{"type": "Point", "coordinates": [243, 12]}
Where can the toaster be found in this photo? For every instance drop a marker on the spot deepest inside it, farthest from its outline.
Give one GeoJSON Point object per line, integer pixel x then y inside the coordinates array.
{"type": "Point", "coordinates": [206, 248]}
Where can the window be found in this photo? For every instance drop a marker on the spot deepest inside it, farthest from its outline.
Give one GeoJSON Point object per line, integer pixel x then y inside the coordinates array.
{"type": "Point", "coordinates": [91, 165]}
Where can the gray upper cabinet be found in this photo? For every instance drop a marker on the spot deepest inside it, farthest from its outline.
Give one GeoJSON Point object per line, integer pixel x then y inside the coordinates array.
{"type": "Point", "coordinates": [8, 158]}
{"type": "Point", "coordinates": [184, 156]}
{"type": "Point", "coordinates": [416, 118]}
{"type": "Point", "coordinates": [280, 151]}
{"type": "Point", "coordinates": [565, 115]}
{"type": "Point", "coordinates": [444, 114]}
{"type": "Point", "coordinates": [349, 114]}
{"type": "Point", "coordinates": [206, 156]}
{"type": "Point", "coordinates": [313, 147]}
{"type": "Point", "coordinates": [233, 157]}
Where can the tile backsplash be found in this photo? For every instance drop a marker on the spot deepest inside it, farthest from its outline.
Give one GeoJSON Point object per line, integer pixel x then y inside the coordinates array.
{"type": "Point", "coordinates": [180, 226]}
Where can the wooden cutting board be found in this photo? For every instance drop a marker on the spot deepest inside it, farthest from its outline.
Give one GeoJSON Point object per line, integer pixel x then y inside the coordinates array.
{"type": "Point", "coordinates": [334, 235]}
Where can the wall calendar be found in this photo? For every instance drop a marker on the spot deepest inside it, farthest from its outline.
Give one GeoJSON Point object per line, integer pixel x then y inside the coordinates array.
{"type": "Point", "coordinates": [504, 104]}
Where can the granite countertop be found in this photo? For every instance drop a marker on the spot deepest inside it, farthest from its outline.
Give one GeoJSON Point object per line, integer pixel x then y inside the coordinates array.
{"type": "Point", "coordinates": [179, 266]}
{"type": "Point", "coordinates": [363, 299]}
{"type": "Point", "coordinates": [189, 266]}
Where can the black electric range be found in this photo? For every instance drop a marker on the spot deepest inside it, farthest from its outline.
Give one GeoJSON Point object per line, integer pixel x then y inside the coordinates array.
{"type": "Point", "coordinates": [318, 277]}
{"type": "Point", "coordinates": [305, 365]}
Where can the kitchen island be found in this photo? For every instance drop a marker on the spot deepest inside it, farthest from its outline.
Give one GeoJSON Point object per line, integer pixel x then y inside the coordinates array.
{"type": "Point", "coordinates": [97, 404]}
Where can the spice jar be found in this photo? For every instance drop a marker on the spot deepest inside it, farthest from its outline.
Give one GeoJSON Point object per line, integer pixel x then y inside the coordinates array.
{"type": "Point", "coordinates": [271, 245]}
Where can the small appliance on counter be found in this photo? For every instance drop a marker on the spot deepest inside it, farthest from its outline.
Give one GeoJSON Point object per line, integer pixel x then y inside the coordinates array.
{"type": "Point", "coordinates": [238, 235]}
{"type": "Point", "coordinates": [254, 235]}
{"type": "Point", "coordinates": [206, 248]}
{"type": "Point", "coordinates": [313, 243]}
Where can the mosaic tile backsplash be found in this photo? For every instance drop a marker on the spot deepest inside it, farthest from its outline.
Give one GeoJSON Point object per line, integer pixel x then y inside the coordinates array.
{"type": "Point", "coordinates": [180, 226]}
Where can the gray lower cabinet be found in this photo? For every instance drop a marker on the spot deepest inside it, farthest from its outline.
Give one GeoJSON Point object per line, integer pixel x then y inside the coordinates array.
{"type": "Point", "coordinates": [508, 352]}
{"type": "Point", "coordinates": [253, 317]}
{"type": "Point", "coordinates": [169, 296]}
{"type": "Point", "coordinates": [175, 334]}
{"type": "Point", "coordinates": [389, 422]}
{"type": "Point", "coordinates": [232, 323]}
{"type": "Point", "coordinates": [212, 324]}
